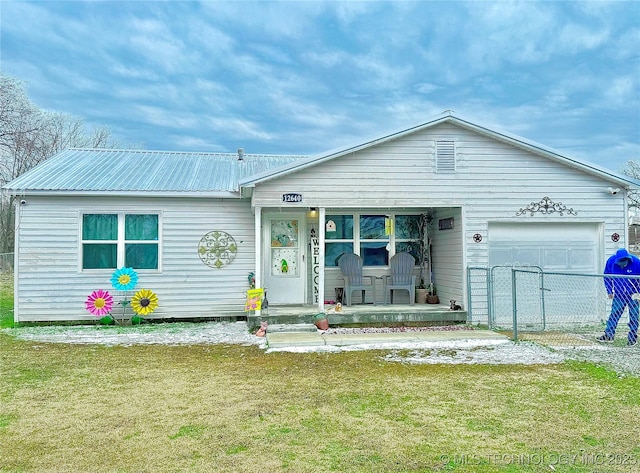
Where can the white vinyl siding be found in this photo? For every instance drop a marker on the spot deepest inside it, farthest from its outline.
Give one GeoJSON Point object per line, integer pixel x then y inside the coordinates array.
{"type": "Point", "coordinates": [52, 287]}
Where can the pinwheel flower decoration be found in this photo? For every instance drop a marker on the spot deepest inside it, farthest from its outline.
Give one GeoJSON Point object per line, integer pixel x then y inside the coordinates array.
{"type": "Point", "coordinates": [144, 302]}
{"type": "Point", "coordinates": [124, 279]}
{"type": "Point", "coordinates": [99, 302]}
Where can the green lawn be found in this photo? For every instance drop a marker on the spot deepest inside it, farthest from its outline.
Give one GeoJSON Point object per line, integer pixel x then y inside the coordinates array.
{"type": "Point", "coordinates": [81, 408]}
{"type": "Point", "coordinates": [6, 300]}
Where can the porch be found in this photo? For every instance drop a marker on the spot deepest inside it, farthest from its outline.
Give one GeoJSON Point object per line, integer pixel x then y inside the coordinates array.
{"type": "Point", "coordinates": [363, 315]}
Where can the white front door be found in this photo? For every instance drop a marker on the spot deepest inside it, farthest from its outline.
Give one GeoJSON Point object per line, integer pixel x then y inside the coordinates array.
{"type": "Point", "coordinates": [284, 265]}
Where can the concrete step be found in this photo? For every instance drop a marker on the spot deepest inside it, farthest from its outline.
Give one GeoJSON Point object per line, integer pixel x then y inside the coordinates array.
{"type": "Point", "coordinates": [280, 328]}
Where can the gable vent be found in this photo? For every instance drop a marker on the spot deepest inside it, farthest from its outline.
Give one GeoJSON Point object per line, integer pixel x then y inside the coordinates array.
{"type": "Point", "coordinates": [445, 156]}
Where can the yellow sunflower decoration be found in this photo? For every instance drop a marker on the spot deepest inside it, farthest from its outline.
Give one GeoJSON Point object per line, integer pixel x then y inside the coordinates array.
{"type": "Point", "coordinates": [144, 302]}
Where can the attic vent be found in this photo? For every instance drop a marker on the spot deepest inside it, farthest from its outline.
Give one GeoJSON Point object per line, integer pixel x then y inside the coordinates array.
{"type": "Point", "coordinates": [445, 156]}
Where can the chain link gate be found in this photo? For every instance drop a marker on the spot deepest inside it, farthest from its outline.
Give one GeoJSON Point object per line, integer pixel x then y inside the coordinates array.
{"type": "Point", "coordinates": [559, 308]}
{"type": "Point", "coordinates": [492, 299]}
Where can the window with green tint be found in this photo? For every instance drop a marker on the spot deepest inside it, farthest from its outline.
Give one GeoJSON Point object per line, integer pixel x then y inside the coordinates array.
{"type": "Point", "coordinates": [103, 245]}
{"type": "Point", "coordinates": [99, 256]}
{"type": "Point", "coordinates": [141, 255]}
{"type": "Point", "coordinates": [100, 227]}
{"type": "Point", "coordinates": [141, 227]}
{"type": "Point", "coordinates": [339, 227]}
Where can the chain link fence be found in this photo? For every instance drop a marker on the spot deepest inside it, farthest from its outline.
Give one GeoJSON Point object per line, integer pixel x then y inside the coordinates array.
{"type": "Point", "coordinates": [553, 308]}
{"type": "Point", "coordinates": [6, 263]}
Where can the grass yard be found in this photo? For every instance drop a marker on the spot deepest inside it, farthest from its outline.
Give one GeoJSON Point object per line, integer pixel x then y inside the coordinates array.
{"type": "Point", "coordinates": [6, 300]}
{"type": "Point", "coordinates": [83, 408]}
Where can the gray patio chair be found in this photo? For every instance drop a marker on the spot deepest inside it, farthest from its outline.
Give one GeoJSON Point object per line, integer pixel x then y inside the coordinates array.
{"type": "Point", "coordinates": [401, 277]}
{"type": "Point", "coordinates": [351, 266]}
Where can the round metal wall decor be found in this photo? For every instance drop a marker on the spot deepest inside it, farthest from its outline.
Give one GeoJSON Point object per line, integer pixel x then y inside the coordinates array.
{"type": "Point", "coordinates": [217, 249]}
{"type": "Point", "coordinates": [477, 238]}
{"type": "Point", "coordinates": [615, 237]}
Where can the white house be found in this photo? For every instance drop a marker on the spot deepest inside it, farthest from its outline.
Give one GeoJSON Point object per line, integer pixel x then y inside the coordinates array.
{"type": "Point", "coordinates": [194, 225]}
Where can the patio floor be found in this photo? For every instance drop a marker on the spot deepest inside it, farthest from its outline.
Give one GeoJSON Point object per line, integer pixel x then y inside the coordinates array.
{"type": "Point", "coordinates": [363, 315]}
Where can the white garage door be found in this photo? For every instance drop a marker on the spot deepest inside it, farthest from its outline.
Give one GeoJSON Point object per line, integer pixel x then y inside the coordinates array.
{"type": "Point", "coordinates": [554, 247]}
{"type": "Point", "coordinates": [564, 247]}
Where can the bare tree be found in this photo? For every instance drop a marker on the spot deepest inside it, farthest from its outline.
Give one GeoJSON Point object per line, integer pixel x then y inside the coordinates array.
{"type": "Point", "coordinates": [29, 136]}
{"type": "Point", "coordinates": [632, 169]}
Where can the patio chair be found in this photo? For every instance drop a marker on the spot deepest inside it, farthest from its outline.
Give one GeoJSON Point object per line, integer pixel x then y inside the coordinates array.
{"type": "Point", "coordinates": [401, 277]}
{"type": "Point", "coordinates": [351, 266]}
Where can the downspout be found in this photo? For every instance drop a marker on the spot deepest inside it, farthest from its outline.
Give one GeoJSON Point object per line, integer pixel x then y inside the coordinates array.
{"type": "Point", "coordinates": [16, 268]}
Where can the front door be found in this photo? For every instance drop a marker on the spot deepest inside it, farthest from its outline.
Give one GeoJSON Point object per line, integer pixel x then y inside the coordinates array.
{"type": "Point", "coordinates": [284, 262]}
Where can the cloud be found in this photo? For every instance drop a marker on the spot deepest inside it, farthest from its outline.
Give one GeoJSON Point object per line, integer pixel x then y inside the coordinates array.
{"type": "Point", "coordinates": [303, 77]}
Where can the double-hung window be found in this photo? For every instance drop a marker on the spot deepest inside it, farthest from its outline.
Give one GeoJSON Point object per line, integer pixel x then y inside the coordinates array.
{"type": "Point", "coordinates": [113, 240]}
{"type": "Point", "coordinates": [338, 238]}
{"type": "Point", "coordinates": [376, 238]}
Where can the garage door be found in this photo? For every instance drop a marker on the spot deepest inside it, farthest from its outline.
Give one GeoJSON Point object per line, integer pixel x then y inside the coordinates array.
{"type": "Point", "coordinates": [553, 247]}
{"type": "Point", "coordinates": [565, 247]}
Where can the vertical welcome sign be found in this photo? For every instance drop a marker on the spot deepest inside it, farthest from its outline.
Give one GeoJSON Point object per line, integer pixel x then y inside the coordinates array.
{"type": "Point", "coordinates": [315, 251]}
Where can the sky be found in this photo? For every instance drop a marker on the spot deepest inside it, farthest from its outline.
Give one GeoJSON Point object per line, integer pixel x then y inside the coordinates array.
{"type": "Point", "coordinates": [277, 77]}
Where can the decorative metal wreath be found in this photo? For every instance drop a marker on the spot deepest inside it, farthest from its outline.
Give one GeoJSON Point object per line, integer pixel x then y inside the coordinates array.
{"type": "Point", "coordinates": [217, 249]}
{"type": "Point", "coordinates": [545, 206]}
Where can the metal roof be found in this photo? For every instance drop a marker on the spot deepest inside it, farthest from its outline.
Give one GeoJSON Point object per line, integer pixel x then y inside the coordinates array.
{"type": "Point", "coordinates": [144, 172]}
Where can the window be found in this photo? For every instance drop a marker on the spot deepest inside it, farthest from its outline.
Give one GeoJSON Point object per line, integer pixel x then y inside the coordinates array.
{"type": "Point", "coordinates": [374, 242]}
{"type": "Point", "coordinates": [371, 238]}
{"type": "Point", "coordinates": [338, 238]}
{"type": "Point", "coordinates": [110, 241]}
{"type": "Point", "coordinates": [407, 235]}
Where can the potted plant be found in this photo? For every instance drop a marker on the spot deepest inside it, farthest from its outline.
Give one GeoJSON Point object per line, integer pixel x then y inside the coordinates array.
{"type": "Point", "coordinates": [432, 297]}
{"type": "Point", "coordinates": [423, 255]}
{"type": "Point", "coordinates": [320, 320]}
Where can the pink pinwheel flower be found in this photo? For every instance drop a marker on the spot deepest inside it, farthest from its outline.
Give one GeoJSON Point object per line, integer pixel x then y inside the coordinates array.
{"type": "Point", "coordinates": [99, 302]}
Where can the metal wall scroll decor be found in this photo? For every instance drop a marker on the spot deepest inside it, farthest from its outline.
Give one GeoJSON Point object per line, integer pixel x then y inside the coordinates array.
{"type": "Point", "coordinates": [545, 206]}
{"type": "Point", "coordinates": [615, 237]}
{"type": "Point", "coordinates": [477, 238]}
{"type": "Point", "coordinates": [217, 249]}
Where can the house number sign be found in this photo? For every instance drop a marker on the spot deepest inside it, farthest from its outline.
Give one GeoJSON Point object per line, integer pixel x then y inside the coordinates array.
{"type": "Point", "coordinates": [291, 197]}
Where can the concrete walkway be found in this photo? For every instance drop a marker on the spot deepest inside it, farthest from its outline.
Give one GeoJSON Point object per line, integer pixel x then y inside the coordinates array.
{"type": "Point", "coordinates": [315, 338]}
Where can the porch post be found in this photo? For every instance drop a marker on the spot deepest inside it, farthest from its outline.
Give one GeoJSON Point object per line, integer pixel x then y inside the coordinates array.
{"type": "Point", "coordinates": [258, 250]}
{"type": "Point", "coordinates": [321, 230]}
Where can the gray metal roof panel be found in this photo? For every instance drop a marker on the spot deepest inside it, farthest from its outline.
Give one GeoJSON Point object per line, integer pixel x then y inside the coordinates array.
{"type": "Point", "coordinates": [112, 170]}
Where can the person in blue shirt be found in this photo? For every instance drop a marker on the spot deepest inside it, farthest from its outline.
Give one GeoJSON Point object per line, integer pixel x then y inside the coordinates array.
{"type": "Point", "coordinates": [622, 292]}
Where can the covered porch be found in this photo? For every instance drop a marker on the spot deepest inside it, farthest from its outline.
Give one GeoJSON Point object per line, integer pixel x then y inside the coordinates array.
{"type": "Point", "coordinates": [364, 315]}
